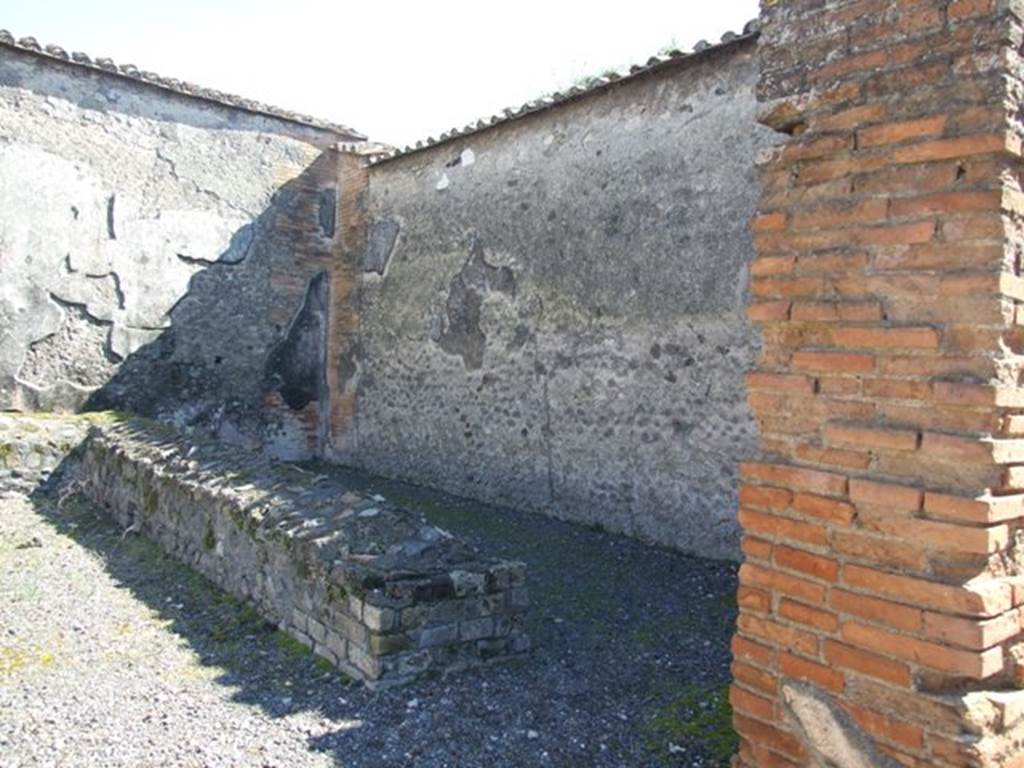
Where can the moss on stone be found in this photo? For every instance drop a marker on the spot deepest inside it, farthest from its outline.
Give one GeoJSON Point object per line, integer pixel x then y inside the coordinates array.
{"type": "Point", "coordinates": [105, 417]}
{"type": "Point", "coordinates": [235, 620]}
{"type": "Point", "coordinates": [209, 538]}
{"type": "Point", "coordinates": [144, 550]}
{"type": "Point", "coordinates": [290, 646]}
{"type": "Point", "coordinates": [336, 593]}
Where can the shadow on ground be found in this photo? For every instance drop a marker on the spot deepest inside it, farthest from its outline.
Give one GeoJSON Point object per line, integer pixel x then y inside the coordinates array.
{"type": "Point", "coordinates": [628, 668]}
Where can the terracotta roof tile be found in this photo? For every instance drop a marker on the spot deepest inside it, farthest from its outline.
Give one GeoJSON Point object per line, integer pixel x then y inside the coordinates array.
{"type": "Point", "coordinates": [750, 31]}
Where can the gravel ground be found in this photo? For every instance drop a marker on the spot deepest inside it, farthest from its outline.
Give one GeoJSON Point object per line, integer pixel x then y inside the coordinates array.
{"type": "Point", "coordinates": [112, 654]}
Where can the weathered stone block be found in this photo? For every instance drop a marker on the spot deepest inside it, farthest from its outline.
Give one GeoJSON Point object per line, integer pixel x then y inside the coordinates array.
{"type": "Point", "coordinates": [384, 645]}
{"type": "Point", "coordinates": [476, 629]}
{"type": "Point", "coordinates": [441, 635]}
{"type": "Point", "coordinates": [378, 619]}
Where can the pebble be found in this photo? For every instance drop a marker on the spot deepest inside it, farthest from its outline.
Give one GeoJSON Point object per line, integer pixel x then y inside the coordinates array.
{"type": "Point", "coordinates": [620, 630]}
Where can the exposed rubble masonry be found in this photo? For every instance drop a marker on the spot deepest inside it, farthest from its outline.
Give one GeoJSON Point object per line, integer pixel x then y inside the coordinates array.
{"type": "Point", "coordinates": [552, 306]}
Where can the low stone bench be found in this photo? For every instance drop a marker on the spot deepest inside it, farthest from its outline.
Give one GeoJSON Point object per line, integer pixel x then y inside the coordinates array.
{"type": "Point", "coordinates": [372, 587]}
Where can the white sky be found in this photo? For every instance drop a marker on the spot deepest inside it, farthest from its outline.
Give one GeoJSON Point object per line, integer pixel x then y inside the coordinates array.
{"type": "Point", "coordinates": [397, 71]}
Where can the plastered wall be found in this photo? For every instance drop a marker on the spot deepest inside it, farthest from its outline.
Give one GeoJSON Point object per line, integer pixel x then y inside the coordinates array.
{"type": "Point", "coordinates": [552, 310]}
{"type": "Point", "coordinates": [143, 239]}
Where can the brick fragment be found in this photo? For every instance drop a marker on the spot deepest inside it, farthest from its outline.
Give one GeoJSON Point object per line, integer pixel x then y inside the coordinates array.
{"type": "Point", "coordinates": [909, 619]}
{"type": "Point", "coordinates": [826, 621]}
{"type": "Point", "coordinates": [848, 657]}
{"type": "Point", "coordinates": [983, 598]}
{"type": "Point", "coordinates": [797, 478]}
{"type": "Point", "coordinates": [823, 508]}
{"type": "Point", "coordinates": [981, 510]}
{"type": "Point", "coordinates": [782, 528]}
{"type": "Point", "coordinates": [781, 382]}
{"type": "Point", "coordinates": [889, 338]}
{"type": "Point", "coordinates": [768, 736]}
{"type": "Point", "coordinates": [805, 669]}
{"type": "Point", "coordinates": [888, 728]}
{"type": "Point", "coordinates": [872, 438]}
{"type": "Point", "coordinates": [943, 149]}
{"type": "Point", "coordinates": [835, 362]}
{"type": "Point", "coordinates": [891, 133]}
{"type": "Point", "coordinates": [750, 703]}
{"type": "Point", "coordinates": [755, 678]}
{"type": "Point", "coordinates": [816, 566]}
{"type": "Point", "coordinates": [889, 495]}
{"type": "Point", "coordinates": [753, 652]}
{"type": "Point", "coordinates": [928, 654]}
{"type": "Point", "coordinates": [776, 581]}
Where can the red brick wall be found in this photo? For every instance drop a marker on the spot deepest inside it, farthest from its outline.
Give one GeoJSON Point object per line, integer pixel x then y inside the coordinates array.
{"type": "Point", "coordinates": [880, 599]}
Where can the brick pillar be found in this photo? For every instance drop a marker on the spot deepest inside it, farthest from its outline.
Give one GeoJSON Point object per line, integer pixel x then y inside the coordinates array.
{"type": "Point", "coordinates": [316, 240]}
{"type": "Point", "coordinates": [880, 597]}
{"type": "Point", "coordinates": [353, 185]}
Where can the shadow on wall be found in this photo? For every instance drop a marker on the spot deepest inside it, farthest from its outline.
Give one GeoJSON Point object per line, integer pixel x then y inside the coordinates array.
{"type": "Point", "coordinates": [243, 356]}
{"type": "Point", "coordinates": [155, 251]}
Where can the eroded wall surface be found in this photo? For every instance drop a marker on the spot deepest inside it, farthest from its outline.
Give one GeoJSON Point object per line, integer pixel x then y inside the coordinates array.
{"type": "Point", "coordinates": [140, 235]}
{"type": "Point", "coordinates": [552, 311]}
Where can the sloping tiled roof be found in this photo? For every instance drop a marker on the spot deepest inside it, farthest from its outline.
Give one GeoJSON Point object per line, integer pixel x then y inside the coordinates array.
{"type": "Point", "coordinates": [594, 85]}
{"type": "Point", "coordinates": [131, 72]}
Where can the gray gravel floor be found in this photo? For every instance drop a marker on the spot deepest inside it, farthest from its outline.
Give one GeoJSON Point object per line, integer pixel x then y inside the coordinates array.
{"type": "Point", "coordinates": [112, 654]}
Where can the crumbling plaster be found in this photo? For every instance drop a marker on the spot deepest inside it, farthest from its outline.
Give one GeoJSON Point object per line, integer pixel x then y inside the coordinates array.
{"type": "Point", "coordinates": [135, 225]}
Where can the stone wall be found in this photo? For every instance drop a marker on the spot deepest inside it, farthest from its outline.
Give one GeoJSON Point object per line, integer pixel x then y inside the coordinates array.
{"type": "Point", "coordinates": [33, 447]}
{"type": "Point", "coordinates": [375, 589]}
{"type": "Point", "coordinates": [551, 310]}
{"type": "Point", "coordinates": [155, 248]}
{"type": "Point", "coordinates": [882, 596]}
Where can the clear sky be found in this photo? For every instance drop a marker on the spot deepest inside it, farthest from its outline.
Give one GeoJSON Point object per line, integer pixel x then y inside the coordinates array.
{"type": "Point", "coordinates": [398, 71]}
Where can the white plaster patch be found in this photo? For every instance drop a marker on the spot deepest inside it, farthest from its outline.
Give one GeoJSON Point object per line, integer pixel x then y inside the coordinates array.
{"type": "Point", "coordinates": [442, 183]}
{"type": "Point", "coordinates": [828, 735]}
{"type": "Point", "coordinates": [468, 157]}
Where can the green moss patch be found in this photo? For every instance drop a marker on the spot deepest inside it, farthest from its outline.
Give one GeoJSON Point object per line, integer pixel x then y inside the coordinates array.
{"type": "Point", "coordinates": [696, 720]}
{"type": "Point", "coordinates": [290, 646]}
